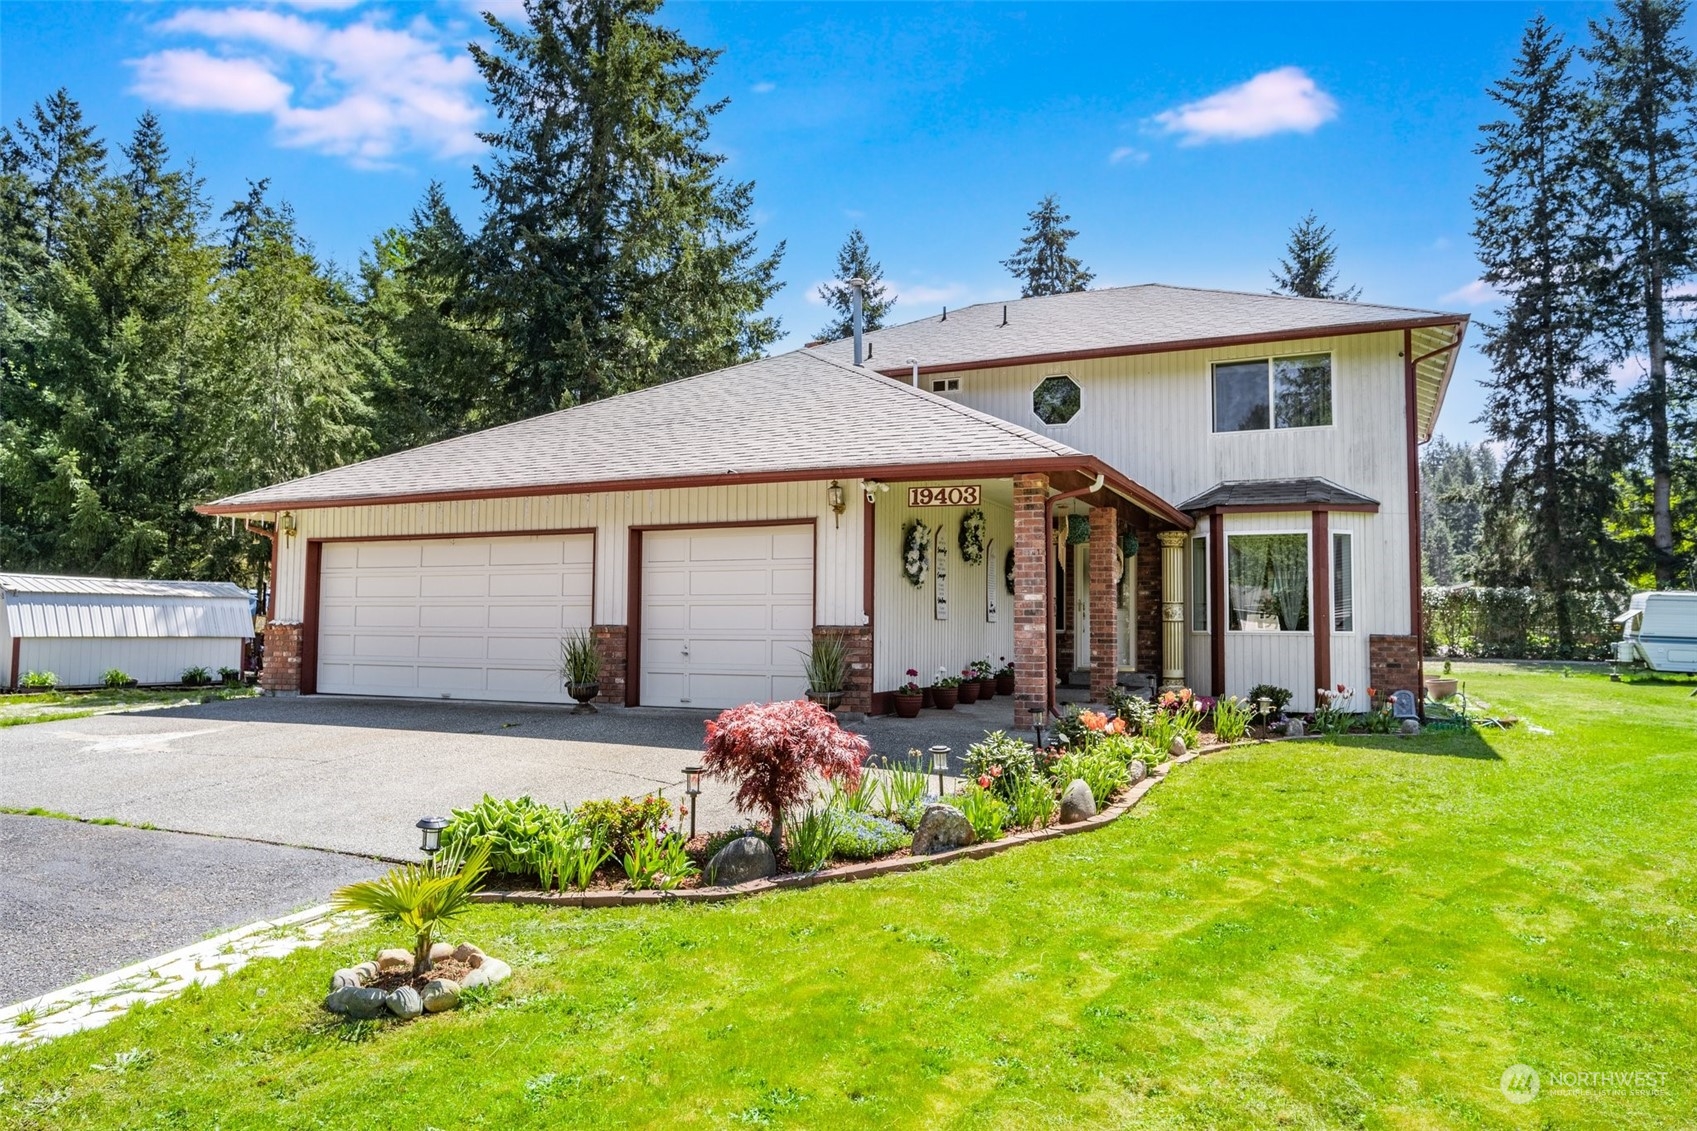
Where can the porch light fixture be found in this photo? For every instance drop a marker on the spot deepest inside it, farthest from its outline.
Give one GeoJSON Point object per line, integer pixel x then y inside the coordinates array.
{"type": "Point", "coordinates": [692, 786]}
{"type": "Point", "coordinates": [431, 830]}
{"type": "Point", "coordinates": [286, 520]}
{"type": "Point", "coordinates": [838, 498]}
{"type": "Point", "coordinates": [939, 764]}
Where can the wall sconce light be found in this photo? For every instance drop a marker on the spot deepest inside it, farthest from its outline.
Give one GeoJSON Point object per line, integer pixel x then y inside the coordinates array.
{"type": "Point", "coordinates": [286, 520]}
{"type": "Point", "coordinates": [838, 498]}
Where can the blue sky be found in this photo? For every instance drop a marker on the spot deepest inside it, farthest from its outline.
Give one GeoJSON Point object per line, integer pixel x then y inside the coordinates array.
{"type": "Point", "coordinates": [1184, 140]}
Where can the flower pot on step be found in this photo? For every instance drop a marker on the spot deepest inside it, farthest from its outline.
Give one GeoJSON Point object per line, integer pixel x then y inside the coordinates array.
{"type": "Point", "coordinates": [907, 706]}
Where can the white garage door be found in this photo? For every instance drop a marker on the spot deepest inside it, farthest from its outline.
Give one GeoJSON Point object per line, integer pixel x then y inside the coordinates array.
{"type": "Point", "coordinates": [726, 615]}
{"type": "Point", "coordinates": [461, 618]}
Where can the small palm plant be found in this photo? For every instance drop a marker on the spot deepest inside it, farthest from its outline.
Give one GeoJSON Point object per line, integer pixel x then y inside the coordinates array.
{"type": "Point", "coordinates": [424, 898]}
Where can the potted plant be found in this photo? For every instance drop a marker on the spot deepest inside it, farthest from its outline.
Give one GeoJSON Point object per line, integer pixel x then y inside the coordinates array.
{"type": "Point", "coordinates": [945, 691]}
{"type": "Point", "coordinates": [910, 696]}
{"type": "Point", "coordinates": [967, 691]}
{"type": "Point", "coordinates": [1442, 686]}
{"type": "Point", "coordinates": [1004, 678]}
{"type": "Point", "coordinates": [986, 677]}
{"type": "Point", "coordinates": [826, 666]}
{"type": "Point", "coordinates": [580, 668]}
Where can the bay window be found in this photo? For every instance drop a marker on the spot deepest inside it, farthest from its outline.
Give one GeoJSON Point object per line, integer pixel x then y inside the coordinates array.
{"type": "Point", "coordinates": [1267, 582]}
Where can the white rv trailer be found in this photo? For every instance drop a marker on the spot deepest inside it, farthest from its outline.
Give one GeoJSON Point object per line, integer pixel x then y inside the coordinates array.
{"type": "Point", "coordinates": [1659, 631]}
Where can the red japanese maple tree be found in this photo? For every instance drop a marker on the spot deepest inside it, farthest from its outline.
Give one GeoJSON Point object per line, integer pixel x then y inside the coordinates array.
{"type": "Point", "coordinates": [772, 750]}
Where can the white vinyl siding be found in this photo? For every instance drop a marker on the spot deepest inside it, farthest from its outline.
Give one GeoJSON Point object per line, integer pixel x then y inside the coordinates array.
{"type": "Point", "coordinates": [84, 661]}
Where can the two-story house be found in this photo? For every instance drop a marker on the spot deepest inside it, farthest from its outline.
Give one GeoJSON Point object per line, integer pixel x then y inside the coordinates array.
{"type": "Point", "coordinates": [1200, 488]}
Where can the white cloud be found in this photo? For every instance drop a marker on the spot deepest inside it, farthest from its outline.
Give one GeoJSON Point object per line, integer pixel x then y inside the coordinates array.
{"type": "Point", "coordinates": [1125, 154]}
{"type": "Point", "coordinates": [1285, 100]}
{"type": "Point", "coordinates": [1476, 293]}
{"type": "Point", "coordinates": [764, 87]}
{"type": "Point", "coordinates": [1629, 370]}
{"type": "Point", "coordinates": [363, 90]}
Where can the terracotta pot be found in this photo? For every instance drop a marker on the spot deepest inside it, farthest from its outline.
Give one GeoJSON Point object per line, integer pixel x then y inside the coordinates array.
{"type": "Point", "coordinates": [830, 700]}
{"type": "Point", "coordinates": [907, 706]}
{"type": "Point", "coordinates": [945, 698]}
{"type": "Point", "coordinates": [967, 692]}
{"type": "Point", "coordinates": [987, 688]}
{"type": "Point", "coordinates": [1004, 685]}
{"type": "Point", "coordinates": [1441, 686]}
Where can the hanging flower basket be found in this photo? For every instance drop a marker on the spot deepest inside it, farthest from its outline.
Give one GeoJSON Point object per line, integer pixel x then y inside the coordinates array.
{"type": "Point", "coordinates": [916, 553]}
{"type": "Point", "coordinates": [972, 529]}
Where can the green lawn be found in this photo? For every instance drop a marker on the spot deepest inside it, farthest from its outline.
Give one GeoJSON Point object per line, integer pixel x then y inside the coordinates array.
{"type": "Point", "coordinates": [1364, 934]}
{"type": "Point", "coordinates": [49, 706]}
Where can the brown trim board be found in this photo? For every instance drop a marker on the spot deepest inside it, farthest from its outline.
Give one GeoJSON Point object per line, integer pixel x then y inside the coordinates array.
{"type": "Point", "coordinates": [307, 682]}
{"type": "Point", "coordinates": [1217, 604]}
{"type": "Point", "coordinates": [1320, 605]}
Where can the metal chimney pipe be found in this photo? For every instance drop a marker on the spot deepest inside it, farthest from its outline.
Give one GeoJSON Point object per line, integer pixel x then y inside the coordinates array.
{"type": "Point", "coordinates": [857, 290]}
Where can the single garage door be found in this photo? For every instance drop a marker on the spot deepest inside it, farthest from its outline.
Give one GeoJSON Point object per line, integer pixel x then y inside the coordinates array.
{"type": "Point", "coordinates": [460, 618]}
{"type": "Point", "coordinates": [726, 615]}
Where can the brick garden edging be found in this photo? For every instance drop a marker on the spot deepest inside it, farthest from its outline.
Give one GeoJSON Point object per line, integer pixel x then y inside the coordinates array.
{"type": "Point", "coordinates": [848, 873]}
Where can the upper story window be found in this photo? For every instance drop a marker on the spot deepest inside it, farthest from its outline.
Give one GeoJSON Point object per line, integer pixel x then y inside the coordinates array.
{"type": "Point", "coordinates": [1056, 400]}
{"type": "Point", "coordinates": [1278, 392]}
{"type": "Point", "coordinates": [945, 385]}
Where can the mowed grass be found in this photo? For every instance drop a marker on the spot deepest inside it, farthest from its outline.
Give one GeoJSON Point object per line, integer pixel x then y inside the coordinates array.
{"type": "Point", "coordinates": [1361, 934]}
{"type": "Point", "coordinates": [52, 706]}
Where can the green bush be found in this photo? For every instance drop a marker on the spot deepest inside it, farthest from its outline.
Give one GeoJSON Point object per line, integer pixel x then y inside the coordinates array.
{"type": "Point", "coordinates": [229, 676]}
{"type": "Point", "coordinates": [1004, 760]}
{"type": "Point", "coordinates": [1280, 697]}
{"type": "Point", "coordinates": [196, 677]}
{"type": "Point", "coordinates": [39, 681]}
{"type": "Point", "coordinates": [619, 822]}
{"type": "Point", "coordinates": [518, 831]}
{"type": "Point", "coordinates": [115, 677]}
{"type": "Point", "coordinates": [861, 836]}
{"type": "Point", "coordinates": [1517, 623]}
{"type": "Point", "coordinates": [1129, 750]}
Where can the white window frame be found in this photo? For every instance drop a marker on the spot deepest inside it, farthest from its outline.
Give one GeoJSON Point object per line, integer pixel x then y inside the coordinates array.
{"type": "Point", "coordinates": [1308, 540]}
{"type": "Point", "coordinates": [1203, 599]}
{"type": "Point", "coordinates": [940, 385]}
{"type": "Point", "coordinates": [1354, 604]}
{"type": "Point", "coordinates": [1272, 394]}
{"type": "Point", "coordinates": [1031, 400]}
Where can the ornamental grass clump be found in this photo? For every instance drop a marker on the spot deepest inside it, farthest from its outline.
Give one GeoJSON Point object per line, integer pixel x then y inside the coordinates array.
{"type": "Point", "coordinates": [772, 753]}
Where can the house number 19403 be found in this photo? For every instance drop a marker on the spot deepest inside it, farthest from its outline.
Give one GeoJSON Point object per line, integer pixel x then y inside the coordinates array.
{"type": "Point", "coordinates": [958, 496]}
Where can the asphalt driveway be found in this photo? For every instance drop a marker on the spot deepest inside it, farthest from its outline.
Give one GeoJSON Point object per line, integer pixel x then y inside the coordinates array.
{"type": "Point", "coordinates": [352, 775]}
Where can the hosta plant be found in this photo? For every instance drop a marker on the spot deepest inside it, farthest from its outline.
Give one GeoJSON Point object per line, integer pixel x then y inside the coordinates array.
{"type": "Point", "coordinates": [423, 898]}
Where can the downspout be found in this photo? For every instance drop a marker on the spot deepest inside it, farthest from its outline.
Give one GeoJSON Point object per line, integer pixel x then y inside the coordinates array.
{"type": "Point", "coordinates": [1049, 583]}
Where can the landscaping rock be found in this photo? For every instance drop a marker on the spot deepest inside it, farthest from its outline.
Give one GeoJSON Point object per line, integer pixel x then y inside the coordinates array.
{"type": "Point", "coordinates": [440, 995]}
{"type": "Point", "coordinates": [492, 970]}
{"type": "Point", "coordinates": [745, 858]}
{"type": "Point", "coordinates": [367, 972]}
{"type": "Point", "coordinates": [1176, 748]}
{"type": "Point", "coordinates": [1411, 726]}
{"type": "Point", "coordinates": [1294, 728]}
{"type": "Point", "coordinates": [941, 827]}
{"type": "Point", "coordinates": [358, 1003]}
{"type": "Point", "coordinates": [441, 950]}
{"type": "Point", "coordinates": [350, 978]}
{"type": "Point", "coordinates": [394, 961]}
{"type": "Point", "coordinates": [469, 955]}
{"type": "Point", "coordinates": [404, 1002]}
{"type": "Point", "coordinates": [1138, 770]}
{"type": "Point", "coordinates": [1076, 803]}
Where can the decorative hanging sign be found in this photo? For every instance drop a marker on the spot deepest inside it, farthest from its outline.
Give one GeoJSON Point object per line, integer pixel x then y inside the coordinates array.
{"type": "Point", "coordinates": [942, 574]}
{"type": "Point", "coordinates": [969, 495]}
{"type": "Point", "coordinates": [990, 583]}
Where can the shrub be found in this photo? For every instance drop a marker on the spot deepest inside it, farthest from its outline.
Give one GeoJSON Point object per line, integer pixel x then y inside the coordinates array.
{"type": "Point", "coordinates": [1134, 709]}
{"type": "Point", "coordinates": [984, 811]}
{"type": "Point", "coordinates": [1002, 760]}
{"type": "Point", "coordinates": [1231, 719]}
{"type": "Point", "coordinates": [620, 822]}
{"type": "Point", "coordinates": [1280, 697]}
{"type": "Point", "coordinates": [1105, 774]}
{"type": "Point", "coordinates": [39, 681]}
{"type": "Point", "coordinates": [1129, 750]}
{"type": "Point", "coordinates": [1032, 803]}
{"type": "Point", "coordinates": [115, 677]}
{"type": "Point", "coordinates": [196, 677]}
{"type": "Point", "coordinates": [229, 676]}
{"type": "Point", "coordinates": [813, 837]}
{"type": "Point", "coordinates": [861, 836]}
{"type": "Point", "coordinates": [772, 751]}
{"type": "Point", "coordinates": [517, 831]}
{"type": "Point", "coordinates": [422, 897]}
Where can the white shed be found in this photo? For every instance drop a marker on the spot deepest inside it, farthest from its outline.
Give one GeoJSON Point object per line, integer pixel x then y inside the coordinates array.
{"type": "Point", "coordinates": [79, 628]}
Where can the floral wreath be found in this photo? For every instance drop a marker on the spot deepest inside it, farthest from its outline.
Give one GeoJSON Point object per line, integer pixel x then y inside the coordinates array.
{"type": "Point", "coordinates": [916, 553]}
{"type": "Point", "coordinates": [972, 528]}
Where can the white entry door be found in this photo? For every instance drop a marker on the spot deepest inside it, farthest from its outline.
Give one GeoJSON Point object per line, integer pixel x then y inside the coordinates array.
{"type": "Point", "coordinates": [726, 615]}
{"type": "Point", "coordinates": [452, 618]}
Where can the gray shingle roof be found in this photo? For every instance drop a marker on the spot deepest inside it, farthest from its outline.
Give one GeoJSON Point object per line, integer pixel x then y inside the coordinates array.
{"type": "Point", "coordinates": [1298, 494]}
{"type": "Point", "coordinates": [796, 412]}
{"type": "Point", "coordinates": [1113, 319]}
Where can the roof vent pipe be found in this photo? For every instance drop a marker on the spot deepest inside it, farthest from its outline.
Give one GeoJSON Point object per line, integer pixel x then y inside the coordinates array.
{"type": "Point", "coordinates": [857, 289]}
{"type": "Point", "coordinates": [914, 361]}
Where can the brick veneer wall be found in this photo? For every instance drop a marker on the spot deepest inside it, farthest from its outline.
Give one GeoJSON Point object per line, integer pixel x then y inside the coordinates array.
{"type": "Point", "coordinates": [612, 641]}
{"type": "Point", "coordinates": [281, 674]}
{"type": "Point", "coordinates": [1393, 664]}
{"type": "Point", "coordinates": [1031, 553]}
{"type": "Point", "coordinates": [1103, 654]}
{"type": "Point", "coordinates": [857, 642]}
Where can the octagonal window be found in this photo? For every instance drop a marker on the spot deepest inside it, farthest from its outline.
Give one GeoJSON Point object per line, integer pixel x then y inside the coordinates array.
{"type": "Point", "coordinates": [1056, 400]}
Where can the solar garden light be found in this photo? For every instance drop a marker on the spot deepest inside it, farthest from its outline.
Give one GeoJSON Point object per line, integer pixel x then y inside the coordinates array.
{"type": "Point", "coordinates": [939, 763]}
{"type": "Point", "coordinates": [1265, 705]}
{"type": "Point", "coordinates": [692, 786]}
{"type": "Point", "coordinates": [431, 828]}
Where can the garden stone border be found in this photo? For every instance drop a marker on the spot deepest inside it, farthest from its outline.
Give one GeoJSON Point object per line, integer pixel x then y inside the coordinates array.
{"type": "Point", "coordinates": [848, 873]}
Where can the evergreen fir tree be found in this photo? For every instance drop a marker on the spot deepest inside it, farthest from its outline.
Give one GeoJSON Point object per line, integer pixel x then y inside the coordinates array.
{"type": "Point", "coordinates": [854, 261]}
{"type": "Point", "coordinates": [1645, 108]}
{"type": "Point", "coordinates": [613, 254]}
{"type": "Point", "coordinates": [1457, 482]}
{"type": "Point", "coordinates": [1309, 268]}
{"type": "Point", "coordinates": [1546, 379]}
{"type": "Point", "coordinates": [1042, 265]}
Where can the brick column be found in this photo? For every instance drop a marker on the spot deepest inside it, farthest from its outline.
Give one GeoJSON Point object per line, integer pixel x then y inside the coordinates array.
{"type": "Point", "coordinates": [1172, 608]}
{"type": "Point", "coordinates": [857, 643]}
{"type": "Point", "coordinates": [1031, 565]}
{"type": "Point", "coordinates": [1393, 664]}
{"type": "Point", "coordinates": [1104, 633]}
{"type": "Point", "coordinates": [611, 642]}
{"type": "Point", "coordinates": [280, 673]}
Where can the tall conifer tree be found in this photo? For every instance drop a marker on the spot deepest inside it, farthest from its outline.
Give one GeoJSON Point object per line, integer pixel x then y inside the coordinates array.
{"type": "Point", "coordinates": [1044, 263]}
{"type": "Point", "coordinates": [854, 261]}
{"type": "Point", "coordinates": [1309, 269]}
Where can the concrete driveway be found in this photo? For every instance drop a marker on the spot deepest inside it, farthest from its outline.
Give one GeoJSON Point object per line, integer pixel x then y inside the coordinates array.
{"type": "Point", "coordinates": [352, 775]}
